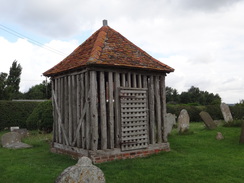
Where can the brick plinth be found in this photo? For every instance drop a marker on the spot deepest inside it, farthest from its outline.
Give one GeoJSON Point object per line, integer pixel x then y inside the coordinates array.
{"type": "Point", "coordinates": [101, 156]}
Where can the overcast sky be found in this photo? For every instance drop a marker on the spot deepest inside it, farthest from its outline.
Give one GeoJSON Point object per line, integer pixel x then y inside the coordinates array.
{"type": "Point", "coordinates": [203, 40]}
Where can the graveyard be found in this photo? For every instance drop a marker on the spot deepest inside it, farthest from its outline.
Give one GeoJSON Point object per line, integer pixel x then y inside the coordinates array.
{"type": "Point", "coordinates": [195, 156]}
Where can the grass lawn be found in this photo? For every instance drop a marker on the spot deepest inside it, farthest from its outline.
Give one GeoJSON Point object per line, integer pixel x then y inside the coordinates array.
{"type": "Point", "coordinates": [194, 158]}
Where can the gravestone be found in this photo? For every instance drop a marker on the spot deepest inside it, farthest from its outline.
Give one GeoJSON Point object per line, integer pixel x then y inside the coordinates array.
{"type": "Point", "coordinates": [12, 128]}
{"type": "Point", "coordinates": [23, 132]}
{"type": "Point", "coordinates": [183, 121]}
{"type": "Point", "coordinates": [83, 172]}
{"type": "Point", "coordinates": [242, 134]}
{"type": "Point", "coordinates": [208, 121]}
{"type": "Point", "coordinates": [219, 136]}
{"type": "Point", "coordinates": [12, 140]}
{"type": "Point", "coordinates": [226, 112]}
{"type": "Point", "coordinates": [170, 122]}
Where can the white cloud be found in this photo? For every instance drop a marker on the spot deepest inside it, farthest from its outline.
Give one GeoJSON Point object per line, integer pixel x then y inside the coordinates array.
{"type": "Point", "coordinates": [202, 40]}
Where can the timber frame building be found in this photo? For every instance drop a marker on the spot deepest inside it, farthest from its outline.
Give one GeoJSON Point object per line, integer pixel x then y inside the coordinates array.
{"type": "Point", "coordinates": [109, 100]}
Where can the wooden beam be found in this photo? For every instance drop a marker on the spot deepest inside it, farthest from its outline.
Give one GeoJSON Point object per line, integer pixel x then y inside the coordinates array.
{"type": "Point", "coordinates": [163, 98]}
{"type": "Point", "coordinates": [87, 99]}
{"type": "Point", "coordinates": [151, 111]}
{"type": "Point", "coordinates": [94, 112]}
{"type": "Point", "coordinates": [117, 114]}
{"type": "Point", "coordinates": [82, 102]}
{"type": "Point", "coordinates": [103, 114]}
{"type": "Point", "coordinates": [70, 109]}
{"type": "Point", "coordinates": [111, 109]}
{"type": "Point", "coordinates": [158, 110]}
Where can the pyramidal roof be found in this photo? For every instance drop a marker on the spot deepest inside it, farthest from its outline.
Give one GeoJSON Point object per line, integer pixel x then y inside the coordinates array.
{"type": "Point", "coordinates": [107, 47]}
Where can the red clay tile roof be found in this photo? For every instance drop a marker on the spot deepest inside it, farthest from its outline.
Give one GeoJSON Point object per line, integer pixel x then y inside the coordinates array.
{"type": "Point", "coordinates": [107, 47]}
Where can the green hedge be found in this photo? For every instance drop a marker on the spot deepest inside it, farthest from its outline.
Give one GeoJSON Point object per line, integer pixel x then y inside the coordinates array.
{"type": "Point", "coordinates": [193, 111]}
{"type": "Point", "coordinates": [41, 118]}
{"type": "Point", "coordinates": [13, 113]}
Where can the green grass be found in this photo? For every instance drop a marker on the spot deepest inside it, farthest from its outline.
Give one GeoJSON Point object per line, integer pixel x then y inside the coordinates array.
{"type": "Point", "coordinates": [196, 157]}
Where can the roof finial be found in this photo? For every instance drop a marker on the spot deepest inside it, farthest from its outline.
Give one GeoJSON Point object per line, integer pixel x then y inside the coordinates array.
{"type": "Point", "coordinates": [105, 23]}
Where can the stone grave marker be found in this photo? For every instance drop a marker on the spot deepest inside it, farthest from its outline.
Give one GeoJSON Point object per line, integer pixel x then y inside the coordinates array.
{"type": "Point", "coordinates": [12, 128]}
{"type": "Point", "coordinates": [83, 172]}
{"type": "Point", "coordinates": [12, 140]}
{"type": "Point", "coordinates": [183, 121]}
{"type": "Point", "coordinates": [226, 112]}
{"type": "Point", "coordinates": [208, 121]}
{"type": "Point", "coordinates": [219, 136]}
{"type": "Point", "coordinates": [170, 122]}
{"type": "Point", "coordinates": [23, 132]}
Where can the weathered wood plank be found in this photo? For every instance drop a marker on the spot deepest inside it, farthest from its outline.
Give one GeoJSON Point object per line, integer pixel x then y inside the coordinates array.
{"type": "Point", "coordinates": [163, 98]}
{"type": "Point", "coordinates": [82, 102]}
{"type": "Point", "coordinates": [66, 105]}
{"type": "Point", "coordinates": [111, 109]}
{"type": "Point", "coordinates": [74, 101]}
{"type": "Point", "coordinates": [70, 129]}
{"type": "Point", "coordinates": [94, 112]}
{"type": "Point", "coordinates": [151, 111]}
{"type": "Point", "coordinates": [59, 117]}
{"type": "Point", "coordinates": [77, 131]}
{"type": "Point", "coordinates": [139, 81]}
{"type": "Point", "coordinates": [134, 80]}
{"type": "Point", "coordinates": [128, 79]}
{"type": "Point", "coordinates": [87, 124]}
{"type": "Point", "coordinates": [78, 109]}
{"type": "Point", "coordinates": [158, 110]}
{"type": "Point", "coordinates": [59, 87]}
{"type": "Point", "coordinates": [103, 114]}
{"type": "Point", "coordinates": [54, 112]}
{"type": "Point", "coordinates": [117, 114]}
{"type": "Point", "coordinates": [144, 84]}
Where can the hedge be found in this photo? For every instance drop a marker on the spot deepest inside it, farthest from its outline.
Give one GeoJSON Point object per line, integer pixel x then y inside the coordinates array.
{"type": "Point", "coordinates": [13, 113]}
{"type": "Point", "coordinates": [193, 111]}
{"type": "Point", "coordinates": [41, 118]}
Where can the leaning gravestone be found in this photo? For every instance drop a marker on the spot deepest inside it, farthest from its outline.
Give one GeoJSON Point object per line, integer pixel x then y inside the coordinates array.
{"type": "Point", "coordinates": [226, 112]}
{"type": "Point", "coordinates": [23, 132]}
{"type": "Point", "coordinates": [170, 122]}
{"type": "Point", "coordinates": [208, 121]}
{"type": "Point", "coordinates": [12, 140]}
{"type": "Point", "coordinates": [83, 172]}
{"type": "Point", "coordinates": [183, 121]}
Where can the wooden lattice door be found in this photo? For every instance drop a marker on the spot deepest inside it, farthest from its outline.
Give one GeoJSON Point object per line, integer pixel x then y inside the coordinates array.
{"type": "Point", "coordinates": [134, 119]}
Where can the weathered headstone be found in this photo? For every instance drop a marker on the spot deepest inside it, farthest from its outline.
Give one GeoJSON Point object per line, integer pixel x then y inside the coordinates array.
{"type": "Point", "coordinates": [12, 128]}
{"type": "Point", "coordinates": [170, 122]}
{"type": "Point", "coordinates": [12, 140]}
{"type": "Point", "coordinates": [23, 132]}
{"type": "Point", "coordinates": [208, 121]}
{"type": "Point", "coordinates": [219, 136]}
{"type": "Point", "coordinates": [242, 134]}
{"type": "Point", "coordinates": [226, 112]}
{"type": "Point", "coordinates": [183, 121]}
{"type": "Point", "coordinates": [83, 172]}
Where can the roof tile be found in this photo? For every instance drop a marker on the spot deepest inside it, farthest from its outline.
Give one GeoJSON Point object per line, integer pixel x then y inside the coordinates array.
{"type": "Point", "coordinates": [109, 48]}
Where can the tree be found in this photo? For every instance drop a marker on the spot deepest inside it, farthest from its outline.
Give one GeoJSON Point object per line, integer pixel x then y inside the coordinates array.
{"type": "Point", "coordinates": [172, 95]}
{"type": "Point", "coordinates": [39, 91]}
{"type": "Point", "coordinates": [13, 81]}
{"type": "Point", "coordinates": [3, 83]}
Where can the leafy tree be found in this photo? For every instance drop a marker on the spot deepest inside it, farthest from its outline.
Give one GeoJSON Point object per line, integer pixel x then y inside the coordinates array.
{"type": "Point", "coordinates": [13, 81]}
{"type": "Point", "coordinates": [39, 91]}
{"type": "Point", "coordinates": [172, 95]}
{"type": "Point", "coordinates": [3, 81]}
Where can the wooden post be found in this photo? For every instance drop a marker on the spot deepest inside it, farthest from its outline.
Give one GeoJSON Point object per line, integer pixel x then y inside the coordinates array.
{"type": "Point", "coordinates": [87, 99]}
{"type": "Point", "coordinates": [103, 113]}
{"type": "Point", "coordinates": [54, 112]}
{"type": "Point", "coordinates": [163, 98]}
{"type": "Point", "coordinates": [70, 108]}
{"type": "Point", "coordinates": [94, 112]}
{"type": "Point", "coordinates": [134, 81]}
{"type": "Point", "coordinates": [66, 105]}
{"type": "Point", "coordinates": [129, 79]}
{"type": "Point", "coordinates": [158, 110]}
{"type": "Point", "coordinates": [151, 110]}
{"type": "Point", "coordinates": [82, 101]}
{"type": "Point", "coordinates": [78, 108]}
{"type": "Point", "coordinates": [123, 79]}
{"type": "Point", "coordinates": [117, 115]}
{"type": "Point", "coordinates": [111, 109]}
{"type": "Point", "coordinates": [139, 81]}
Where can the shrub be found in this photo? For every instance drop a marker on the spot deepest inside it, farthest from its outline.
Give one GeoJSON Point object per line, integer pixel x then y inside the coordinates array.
{"type": "Point", "coordinates": [15, 113]}
{"type": "Point", "coordinates": [41, 118]}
